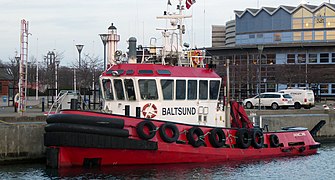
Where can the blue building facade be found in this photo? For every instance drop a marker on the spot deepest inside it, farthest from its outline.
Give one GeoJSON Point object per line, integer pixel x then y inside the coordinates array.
{"type": "Point", "coordinates": [298, 41]}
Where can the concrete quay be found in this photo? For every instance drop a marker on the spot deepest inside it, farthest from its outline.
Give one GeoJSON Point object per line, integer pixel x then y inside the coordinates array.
{"type": "Point", "coordinates": [21, 136]}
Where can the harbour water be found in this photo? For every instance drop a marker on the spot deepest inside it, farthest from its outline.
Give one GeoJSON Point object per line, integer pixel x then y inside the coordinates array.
{"type": "Point", "coordinates": [319, 166]}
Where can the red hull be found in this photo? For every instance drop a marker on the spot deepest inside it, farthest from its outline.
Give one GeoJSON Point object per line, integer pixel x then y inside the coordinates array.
{"type": "Point", "coordinates": [292, 143]}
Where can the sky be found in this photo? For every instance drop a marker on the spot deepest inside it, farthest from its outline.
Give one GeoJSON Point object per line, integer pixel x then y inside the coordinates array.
{"type": "Point", "coordinates": [58, 25]}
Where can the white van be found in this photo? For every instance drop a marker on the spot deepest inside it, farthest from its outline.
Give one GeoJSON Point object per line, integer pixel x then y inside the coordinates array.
{"type": "Point", "coordinates": [301, 97]}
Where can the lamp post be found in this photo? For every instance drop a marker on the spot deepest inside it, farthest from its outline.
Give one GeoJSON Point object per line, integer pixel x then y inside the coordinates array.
{"type": "Point", "coordinates": [104, 39]}
{"type": "Point", "coordinates": [79, 48]}
{"type": "Point", "coordinates": [56, 76]}
{"type": "Point", "coordinates": [260, 50]}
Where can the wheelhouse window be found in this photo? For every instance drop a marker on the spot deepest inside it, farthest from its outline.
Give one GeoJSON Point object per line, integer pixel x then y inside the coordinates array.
{"type": "Point", "coordinates": [192, 91]}
{"type": "Point", "coordinates": [118, 89]}
{"type": "Point", "coordinates": [214, 87]}
{"type": "Point", "coordinates": [203, 89]}
{"type": "Point", "coordinates": [108, 91]}
{"type": "Point", "coordinates": [148, 89]}
{"type": "Point", "coordinates": [130, 89]}
{"type": "Point", "coordinates": [180, 89]}
{"type": "Point", "coordinates": [167, 89]}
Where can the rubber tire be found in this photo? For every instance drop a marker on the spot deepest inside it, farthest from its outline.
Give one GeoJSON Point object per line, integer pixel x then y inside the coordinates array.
{"type": "Point", "coordinates": [297, 105]}
{"type": "Point", "coordinates": [217, 142]}
{"type": "Point", "coordinates": [190, 136]}
{"type": "Point", "coordinates": [140, 130]}
{"type": "Point", "coordinates": [167, 138]}
{"type": "Point", "coordinates": [248, 105]}
{"type": "Point", "coordinates": [243, 139]}
{"type": "Point", "coordinates": [257, 139]}
{"type": "Point", "coordinates": [274, 106]}
{"type": "Point", "coordinates": [274, 141]}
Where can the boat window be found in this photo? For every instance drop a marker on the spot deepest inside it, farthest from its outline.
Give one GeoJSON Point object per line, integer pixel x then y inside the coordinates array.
{"type": "Point", "coordinates": [166, 72]}
{"type": "Point", "coordinates": [167, 89]}
{"type": "Point", "coordinates": [145, 72]}
{"type": "Point", "coordinates": [148, 89]}
{"type": "Point", "coordinates": [130, 90]}
{"type": "Point", "coordinates": [118, 89]}
{"type": "Point", "coordinates": [214, 89]}
{"type": "Point", "coordinates": [180, 89]}
{"type": "Point", "coordinates": [130, 71]}
{"type": "Point", "coordinates": [108, 91]}
{"type": "Point", "coordinates": [115, 72]}
{"type": "Point", "coordinates": [203, 89]}
{"type": "Point", "coordinates": [192, 91]}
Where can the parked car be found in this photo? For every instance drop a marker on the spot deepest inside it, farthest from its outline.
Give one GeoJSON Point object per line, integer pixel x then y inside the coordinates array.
{"type": "Point", "coordinates": [274, 100]}
{"type": "Point", "coordinates": [302, 97]}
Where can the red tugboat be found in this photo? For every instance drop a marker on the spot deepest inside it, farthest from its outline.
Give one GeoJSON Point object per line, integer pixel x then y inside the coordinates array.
{"type": "Point", "coordinates": [164, 110]}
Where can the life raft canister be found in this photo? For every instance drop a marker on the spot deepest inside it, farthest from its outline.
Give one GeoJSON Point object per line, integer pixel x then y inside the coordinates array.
{"type": "Point", "coordinates": [149, 110]}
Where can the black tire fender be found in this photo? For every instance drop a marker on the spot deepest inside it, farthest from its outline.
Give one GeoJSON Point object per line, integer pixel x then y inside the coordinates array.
{"type": "Point", "coordinates": [257, 138]}
{"type": "Point", "coordinates": [243, 139]}
{"type": "Point", "coordinates": [274, 141]}
{"type": "Point", "coordinates": [165, 137]}
{"type": "Point", "coordinates": [195, 136]}
{"type": "Point", "coordinates": [142, 133]}
{"type": "Point", "coordinates": [217, 137]}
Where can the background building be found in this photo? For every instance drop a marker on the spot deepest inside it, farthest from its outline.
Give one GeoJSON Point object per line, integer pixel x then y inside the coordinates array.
{"type": "Point", "coordinates": [281, 47]}
{"type": "Point", "coordinates": [218, 35]}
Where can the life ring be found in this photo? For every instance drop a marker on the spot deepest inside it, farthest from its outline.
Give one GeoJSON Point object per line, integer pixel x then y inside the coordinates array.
{"type": "Point", "coordinates": [257, 138]}
{"type": "Point", "coordinates": [149, 110]}
{"type": "Point", "coordinates": [169, 138]}
{"type": "Point", "coordinates": [195, 136]}
{"type": "Point", "coordinates": [143, 134]}
{"type": "Point", "coordinates": [217, 137]}
{"type": "Point", "coordinates": [196, 59]}
{"type": "Point", "coordinates": [274, 140]}
{"type": "Point", "coordinates": [243, 139]}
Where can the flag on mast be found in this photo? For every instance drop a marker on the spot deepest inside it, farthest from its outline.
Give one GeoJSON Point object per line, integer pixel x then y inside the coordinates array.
{"type": "Point", "coordinates": [189, 3]}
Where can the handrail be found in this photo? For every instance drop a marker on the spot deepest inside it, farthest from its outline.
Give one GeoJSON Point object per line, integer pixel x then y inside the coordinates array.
{"type": "Point", "coordinates": [58, 102]}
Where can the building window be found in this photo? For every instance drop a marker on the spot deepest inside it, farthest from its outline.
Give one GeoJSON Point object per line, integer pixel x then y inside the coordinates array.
{"type": "Point", "coordinates": [308, 23]}
{"type": "Point", "coordinates": [251, 36]}
{"type": "Point", "coordinates": [277, 36]}
{"type": "Point", "coordinates": [330, 22]}
{"type": "Point", "coordinates": [312, 58]}
{"type": "Point", "coordinates": [333, 88]}
{"type": "Point", "coordinates": [324, 57]}
{"type": "Point", "coordinates": [0, 88]}
{"type": "Point", "coordinates": [330, 35]}
{"type": "Point", "coordinates": [297, 24]}
{"type": "Point", "coordinates": [301, 58]}
{"type": "Point", "coordinates": [308, 36]}
{"type": "Point", "coordinates": [324, 88]}
{"type": "Point", "coordinates": [319, 35]}
{"type": "Point", "coordinates": [259, 35]}
{"type": "Point", "coordinates": [333, 57]}
{"type": "Point", "coordinates": [290, 58]}
{"type": "Point", "coordinates": [297, 36]}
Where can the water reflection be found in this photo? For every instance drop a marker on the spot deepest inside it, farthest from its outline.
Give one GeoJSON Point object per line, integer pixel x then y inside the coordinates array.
{"type": "Point", "coordinates": [319, 166]}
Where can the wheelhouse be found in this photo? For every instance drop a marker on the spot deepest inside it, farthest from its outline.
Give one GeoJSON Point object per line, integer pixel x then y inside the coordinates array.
{"type": "Point", "coordinates": [174, 93]}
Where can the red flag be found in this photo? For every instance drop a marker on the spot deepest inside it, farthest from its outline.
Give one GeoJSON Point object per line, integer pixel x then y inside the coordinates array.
{"type": "Point", "coordinates": [189, 3]}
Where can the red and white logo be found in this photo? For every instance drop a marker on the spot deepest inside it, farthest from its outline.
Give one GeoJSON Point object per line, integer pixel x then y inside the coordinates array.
{"type": "Point", "coordinates": [149, 110]}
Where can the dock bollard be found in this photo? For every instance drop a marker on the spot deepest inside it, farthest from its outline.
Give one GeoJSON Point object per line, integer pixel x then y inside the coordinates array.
{"type": "Point", "coordinates": [42, 104]}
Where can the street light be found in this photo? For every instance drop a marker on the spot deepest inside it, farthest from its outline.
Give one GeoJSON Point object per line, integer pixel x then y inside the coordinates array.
{"type": "Point", "coordinates": [56, 76]}
{"type": "Point", "coordinates": [260, 50]}
{"type": "Point", "coordinates": [79, 48]}
{"type": "Point", "coordinates": [104, 39]}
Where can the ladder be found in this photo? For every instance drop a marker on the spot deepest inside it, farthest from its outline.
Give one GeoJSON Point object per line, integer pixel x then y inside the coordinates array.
{"type": "Point", "coordinates": [23, 66]}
